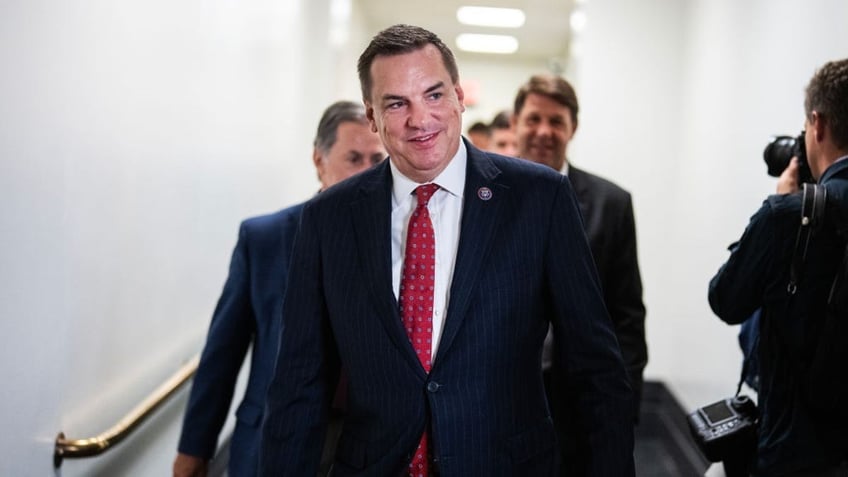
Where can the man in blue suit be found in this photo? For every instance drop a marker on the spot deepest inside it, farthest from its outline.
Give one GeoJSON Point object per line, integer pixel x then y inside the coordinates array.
{"type": "Point", "coordinates": [510, 257]}
{"type": "Point", "coordinates": [250, 306]}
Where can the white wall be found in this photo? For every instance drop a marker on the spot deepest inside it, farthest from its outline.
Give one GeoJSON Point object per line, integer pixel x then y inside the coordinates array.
{"type": "Point", "coordinates": [134, 137]}
{"type": "Point", "coordinates": [679, 100]}
{"type": "Point", "coordinates": [498, 79]}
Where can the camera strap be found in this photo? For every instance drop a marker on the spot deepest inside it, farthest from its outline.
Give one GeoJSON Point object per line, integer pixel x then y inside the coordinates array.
{"type": "Point", "coordinates": [746, 362]}
{"type": "Point", "coordinates": [838, 297]}
{"type": "Point", "coordinates": [812, 213]}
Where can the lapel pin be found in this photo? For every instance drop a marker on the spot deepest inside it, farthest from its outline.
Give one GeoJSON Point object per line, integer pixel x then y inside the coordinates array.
{"type": "Point", "coordinates": [484, 193]}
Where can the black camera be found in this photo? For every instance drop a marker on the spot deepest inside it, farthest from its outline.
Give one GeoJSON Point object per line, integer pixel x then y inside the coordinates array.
{"type": "Point", "coordinates": [725, 430]}
{"type": "Point", "coordinates": [779, 152]}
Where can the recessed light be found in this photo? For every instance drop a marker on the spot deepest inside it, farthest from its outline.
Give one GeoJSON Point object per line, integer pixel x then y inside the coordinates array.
{"type": "Point", "coordinates": [477, 43]}
{"type": "Point", "coordinates": [578, 20]}
{"type": "Point", "coordinates": [490, 16]}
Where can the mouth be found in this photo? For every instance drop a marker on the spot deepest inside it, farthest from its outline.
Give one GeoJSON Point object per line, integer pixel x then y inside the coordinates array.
{"type": "Point", "coordinates": [423, 138]}
{"type": "Point", "coordinates": [542, 147]}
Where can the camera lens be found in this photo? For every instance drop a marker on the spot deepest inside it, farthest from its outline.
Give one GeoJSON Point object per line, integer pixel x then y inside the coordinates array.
{"type": "Point", "coordinates": [778, 153]}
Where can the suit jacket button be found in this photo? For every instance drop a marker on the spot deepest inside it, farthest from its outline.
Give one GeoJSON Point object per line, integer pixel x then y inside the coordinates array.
{"type": "Point", "coordinates": [432, 386]}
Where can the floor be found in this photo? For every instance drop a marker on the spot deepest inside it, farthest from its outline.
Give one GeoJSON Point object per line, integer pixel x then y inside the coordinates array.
{"type": "Point", "coordinates": [664, 447]}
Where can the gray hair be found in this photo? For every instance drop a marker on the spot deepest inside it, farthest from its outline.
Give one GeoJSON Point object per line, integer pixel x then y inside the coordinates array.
{"type": "Point", "coordinates": [336, 114]}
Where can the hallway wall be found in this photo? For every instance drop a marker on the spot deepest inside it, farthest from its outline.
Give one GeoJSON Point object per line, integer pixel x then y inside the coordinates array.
{"type": "Point", "coordinates": [678, 101]}
{"type": "Point", "coordinates": [134, 136]}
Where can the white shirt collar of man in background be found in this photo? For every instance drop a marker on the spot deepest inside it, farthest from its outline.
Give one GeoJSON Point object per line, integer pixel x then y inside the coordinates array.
{"type": "Point", "coordinates": [445, 209]}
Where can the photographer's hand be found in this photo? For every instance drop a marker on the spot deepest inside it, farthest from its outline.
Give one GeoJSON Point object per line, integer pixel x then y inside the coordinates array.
{"type": "Point", "coordinates": [787, 183]}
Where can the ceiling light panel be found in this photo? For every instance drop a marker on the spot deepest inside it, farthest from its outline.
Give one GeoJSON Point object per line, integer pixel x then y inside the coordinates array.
{"type": "Point", "coordinates": [503, 44]}
{"type": "Point", "coordinates": [490, 17]}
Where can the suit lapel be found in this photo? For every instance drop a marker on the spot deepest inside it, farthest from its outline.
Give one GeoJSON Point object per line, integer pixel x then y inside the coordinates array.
{"type": "Point", "coordinates": [480, 219]}
{"type": "Point", "coordinates": [371, 215]}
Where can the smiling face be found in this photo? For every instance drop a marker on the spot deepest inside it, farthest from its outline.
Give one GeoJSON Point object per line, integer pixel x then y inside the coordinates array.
{"type": "Point", "coordinates": [544, 127]}
{"type": "Point", "coordinates": [356, 149]}
{"type": "Point", "coordinates": [417, 110]}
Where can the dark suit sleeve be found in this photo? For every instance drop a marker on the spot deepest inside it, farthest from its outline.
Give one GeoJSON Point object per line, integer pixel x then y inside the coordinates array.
{"type": "Point", "coordinates": [228, 339]}
{"type": "Point", "coordinates": [623, 295]}
{"type": "Point", "coordinates": [298, 399]}
{"type": "Point", "coordinates": [736, 291]}
{"type": "Point", "coordinates": [587, 348]}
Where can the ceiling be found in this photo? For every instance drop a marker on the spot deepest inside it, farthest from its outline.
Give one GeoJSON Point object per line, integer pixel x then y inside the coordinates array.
{"type": "Point", "coordinates": [544, 36]}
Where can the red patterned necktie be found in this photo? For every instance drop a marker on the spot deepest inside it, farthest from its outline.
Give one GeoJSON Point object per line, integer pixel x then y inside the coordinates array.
{"type": "Point", "coordinates": [416, 297]}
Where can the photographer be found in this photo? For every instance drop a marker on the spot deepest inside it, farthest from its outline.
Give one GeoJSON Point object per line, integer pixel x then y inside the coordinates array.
{"type": "Point", "coordinates": [791, 441]}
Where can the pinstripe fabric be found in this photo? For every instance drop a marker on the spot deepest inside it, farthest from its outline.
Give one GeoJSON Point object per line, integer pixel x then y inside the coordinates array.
{"type": "Point", "coordinates": [522, 262]}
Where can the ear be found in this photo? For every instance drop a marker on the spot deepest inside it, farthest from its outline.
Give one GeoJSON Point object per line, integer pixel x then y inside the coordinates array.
{"type": "Point", "coordinates": [460, 95]}
{"type": "Point", "coordinates": [819, 126]}
{"type": "Point", "coordinates": [369, 114]}
{"type": "Point", "coordinates": [318, 161]}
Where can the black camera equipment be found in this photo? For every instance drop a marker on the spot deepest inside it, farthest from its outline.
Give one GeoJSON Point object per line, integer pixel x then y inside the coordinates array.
{"type": "Point", "coordinates": [725, 430]}
{"type": "Point", "coordinates": [779, 152]}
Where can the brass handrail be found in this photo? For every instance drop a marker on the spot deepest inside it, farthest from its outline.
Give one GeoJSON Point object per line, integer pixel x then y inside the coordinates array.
{"type": "Point", "coordinates": [75, 448]}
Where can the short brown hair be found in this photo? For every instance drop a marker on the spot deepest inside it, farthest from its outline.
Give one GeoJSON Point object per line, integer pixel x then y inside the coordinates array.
{"type": "Point", "coordinates": [398, 40]}
{"type": "Point", "coordinates": [551, 86]}
{"type": "Point", "coordinates": [827, 94]}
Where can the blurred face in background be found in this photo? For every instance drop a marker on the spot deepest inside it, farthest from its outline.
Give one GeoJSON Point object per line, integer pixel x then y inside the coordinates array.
{"type": "Point", "coordinates": [480, 140]}
{"type": "Point", "coordinates": [543, 128]}
{"type": "Point", "coordinates": [504, 142]}
{"type": "Point", "coordinates": [356, 149]}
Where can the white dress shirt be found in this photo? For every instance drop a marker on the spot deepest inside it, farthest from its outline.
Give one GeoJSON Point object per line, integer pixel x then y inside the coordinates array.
{"type": "Point", "coordinates": [445, 209]}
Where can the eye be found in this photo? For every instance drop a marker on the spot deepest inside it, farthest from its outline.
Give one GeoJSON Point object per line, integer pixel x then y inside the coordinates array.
{"type": "Point", "coordinates": [395, 105]}
{"type": "Point", "coordinates": [437, 95]}
{"type": "Point", "coordinates": [356, 159]}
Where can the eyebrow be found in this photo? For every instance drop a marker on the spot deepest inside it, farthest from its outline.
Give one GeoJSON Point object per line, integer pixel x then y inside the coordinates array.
{"type": "Point", "coordinates": [393, 97]}
{"type": "Point", "coordinates": [436, 86]}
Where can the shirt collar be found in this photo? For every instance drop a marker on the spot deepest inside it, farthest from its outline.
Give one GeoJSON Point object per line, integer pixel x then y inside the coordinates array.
{"type": "Point", "coordinates": [452, 179]}
{"type": "Point", "coordinates": [833, 168]}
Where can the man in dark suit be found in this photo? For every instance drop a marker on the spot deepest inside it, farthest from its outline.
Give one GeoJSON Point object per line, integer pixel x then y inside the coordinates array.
{"type": "Point", "coordinates": [250, 306]}
{"type": "Point", "coordinates": [545, 119]}
{"type": "Point", "coordinates": [443, 363]}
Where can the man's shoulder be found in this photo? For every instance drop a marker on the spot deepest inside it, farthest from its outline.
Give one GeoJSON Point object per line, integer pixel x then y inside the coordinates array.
{"type": "Point", "coordinates": [512, 169]}
{"type": "Point", "coordinates": [595, 183]}
{"type": "Point", "coordinates": [274, 220]}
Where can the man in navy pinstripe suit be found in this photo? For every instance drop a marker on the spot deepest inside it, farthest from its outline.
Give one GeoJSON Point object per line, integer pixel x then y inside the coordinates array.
{"type": "Point", "coordinates": [510, 258]}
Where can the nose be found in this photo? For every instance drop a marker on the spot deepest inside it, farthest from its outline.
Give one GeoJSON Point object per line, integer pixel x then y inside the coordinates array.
{"type": "Point", "coordinates": [543, 128]}
{"type": "Point", "coordinates": [419, 116]}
